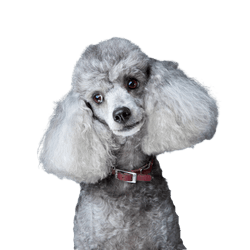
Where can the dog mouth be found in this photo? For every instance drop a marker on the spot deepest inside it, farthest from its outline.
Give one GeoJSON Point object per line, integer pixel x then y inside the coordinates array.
{"type": "Point", "coordinates": [130, 129]}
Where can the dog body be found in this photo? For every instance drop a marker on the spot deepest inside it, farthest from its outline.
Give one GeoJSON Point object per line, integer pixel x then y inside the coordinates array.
{"type": "Point", "coordinates": [125, 108]}
{"type": "Point", "coordinates": [118, 215]}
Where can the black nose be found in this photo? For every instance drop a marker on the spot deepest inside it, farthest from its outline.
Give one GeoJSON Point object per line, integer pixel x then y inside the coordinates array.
{"type": "Point", "coordinates": [121, 115]}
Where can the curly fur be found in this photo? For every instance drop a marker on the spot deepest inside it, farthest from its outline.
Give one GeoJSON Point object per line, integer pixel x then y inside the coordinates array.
{"type": "Point", "coordinates": [169, 111]}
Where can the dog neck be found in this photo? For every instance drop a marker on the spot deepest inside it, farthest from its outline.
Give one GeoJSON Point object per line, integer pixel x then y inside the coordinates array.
{"type": "Point", "coordinates": [129, 155]}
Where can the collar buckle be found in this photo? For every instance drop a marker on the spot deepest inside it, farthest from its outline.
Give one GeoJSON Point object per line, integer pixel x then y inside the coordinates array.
{"type": "Point", "coordinates": [134, 175]}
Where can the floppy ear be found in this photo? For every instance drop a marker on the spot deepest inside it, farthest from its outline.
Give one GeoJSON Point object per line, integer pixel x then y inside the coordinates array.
{"type": "Point", "coordinates": [72, 147]}
{"type": "Point", "coordinates": [180, 111]}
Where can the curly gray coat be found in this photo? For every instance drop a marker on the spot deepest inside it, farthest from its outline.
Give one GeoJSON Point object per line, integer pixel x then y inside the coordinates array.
{"type": "Point", "coordinates": [125, 108]}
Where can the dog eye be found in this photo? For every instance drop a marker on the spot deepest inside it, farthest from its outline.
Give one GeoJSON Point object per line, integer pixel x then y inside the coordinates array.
{"type": "Point", "coordinates": [98, 98]}
{"type": "Point", "coordinates": [133, 84]}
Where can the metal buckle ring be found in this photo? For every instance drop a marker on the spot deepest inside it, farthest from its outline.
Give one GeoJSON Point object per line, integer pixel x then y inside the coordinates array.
{"type": "Point", "coordinates": [146, 168]}
{"type": "Point", "coordinates": [134, 175]}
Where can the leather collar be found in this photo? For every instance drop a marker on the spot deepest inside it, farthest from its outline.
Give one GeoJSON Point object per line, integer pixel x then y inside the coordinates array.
{"type": "Point", "coordinates": [140, 174]}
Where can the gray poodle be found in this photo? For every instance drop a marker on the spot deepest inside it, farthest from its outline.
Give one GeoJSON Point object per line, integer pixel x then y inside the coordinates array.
{"type": "Point", "coordinates": [125, 108]}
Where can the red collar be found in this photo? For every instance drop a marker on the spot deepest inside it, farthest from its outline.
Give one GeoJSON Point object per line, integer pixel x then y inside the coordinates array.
{"type": "Point", "coordinates": [141, 174]}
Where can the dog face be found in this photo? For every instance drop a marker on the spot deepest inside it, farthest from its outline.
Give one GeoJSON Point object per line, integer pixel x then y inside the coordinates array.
{"type": "Point", "coordinates": [118, 101]}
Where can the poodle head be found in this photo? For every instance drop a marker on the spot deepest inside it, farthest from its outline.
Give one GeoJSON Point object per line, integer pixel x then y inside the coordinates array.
{"type": "Point", "coordinates": [112, 78]}
{"type": "Point", "coordinates": [117, 91]}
